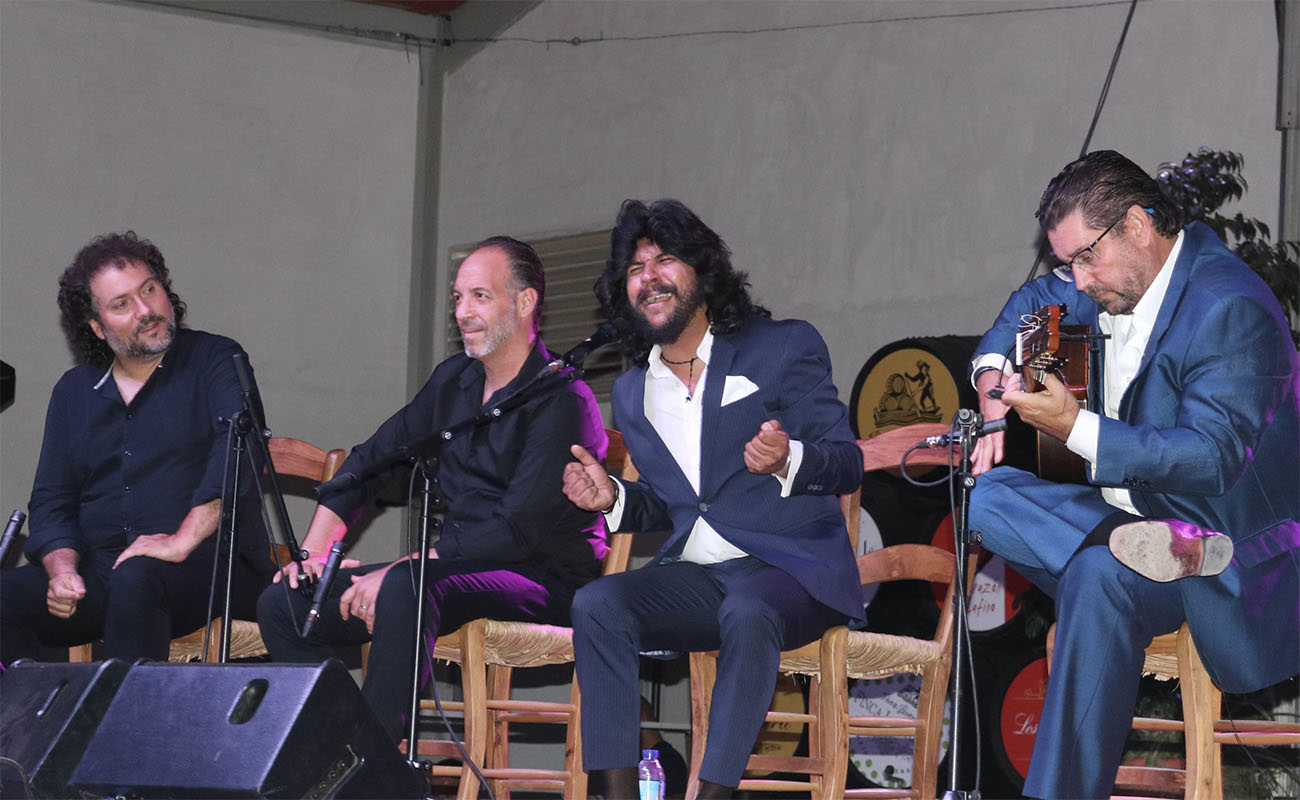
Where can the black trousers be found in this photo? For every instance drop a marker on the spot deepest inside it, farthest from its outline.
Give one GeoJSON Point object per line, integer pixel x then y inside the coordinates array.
{"type": "Point", "coordinates": [745, 609]}
{"type": "Point", "coordinates": [457, 591]}
{"type": "Point", "coordinates": [136, 609]}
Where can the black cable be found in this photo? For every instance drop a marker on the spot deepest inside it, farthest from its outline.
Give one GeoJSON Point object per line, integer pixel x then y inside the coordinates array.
{"type": "Point", "coordinates": [962, 609]}
{"type": "Point", "coordinates": [959, 577]}
{"type": "Point", "coordinates": [412, 747]}
{"type": "Point", "coordinates": [216, 552]}
{"type": "Point", "coordinates": [1096, 115]}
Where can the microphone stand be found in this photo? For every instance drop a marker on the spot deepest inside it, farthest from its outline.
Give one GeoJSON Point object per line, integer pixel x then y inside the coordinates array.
{"type": "Point", "coordinates": [969, 424]}
{"type": "Point", "coordinates": [250, 436]}
{"type": "Point", "coordinates": [424, 452]}
{"type": "Point", "coordinates": [242, 426]}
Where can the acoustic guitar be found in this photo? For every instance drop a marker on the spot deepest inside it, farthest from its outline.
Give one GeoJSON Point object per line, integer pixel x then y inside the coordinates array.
{"type": "Point", "coordinates": [1045, 346]}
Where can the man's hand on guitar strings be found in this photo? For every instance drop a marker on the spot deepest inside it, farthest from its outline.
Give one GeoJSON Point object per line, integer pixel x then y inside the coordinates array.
{"type": "Point", "coordinates": [1052, 411]}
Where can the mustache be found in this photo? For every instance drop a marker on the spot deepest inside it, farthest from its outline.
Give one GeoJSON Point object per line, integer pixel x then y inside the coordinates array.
{"type": "Point", "coordinates": [153, 319]}
{"type": "Point", "coordinates": [659, 288]}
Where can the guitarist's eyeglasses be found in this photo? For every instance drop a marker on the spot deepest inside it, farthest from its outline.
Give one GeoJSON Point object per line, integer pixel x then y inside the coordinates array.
{"type": "Point", "coordinates": [1084, 257]}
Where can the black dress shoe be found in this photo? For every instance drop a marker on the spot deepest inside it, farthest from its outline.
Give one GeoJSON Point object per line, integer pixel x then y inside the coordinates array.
{"type": "Point", "coordinates": [1168, 549]}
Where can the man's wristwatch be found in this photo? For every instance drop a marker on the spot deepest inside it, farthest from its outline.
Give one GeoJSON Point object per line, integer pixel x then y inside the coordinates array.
{"type": "Point", "coordinates": [613, 502]}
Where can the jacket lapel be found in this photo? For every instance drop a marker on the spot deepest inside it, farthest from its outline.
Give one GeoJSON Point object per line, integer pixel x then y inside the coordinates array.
{"type": "Point", "coordinates": [1173, 296]}
{"type": "Point", "coordinates": [1165, 316]}
{"type": "Point", "coordinates": [660, 459]}
{"type": "Point", "coordinates": [723, 354]}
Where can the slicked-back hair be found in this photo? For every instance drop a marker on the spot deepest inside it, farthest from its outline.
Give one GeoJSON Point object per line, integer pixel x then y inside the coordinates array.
{"type": "Point", "coordinates": [525, 270]}
{"type": "Point", "coordinates": [675, 230]}
{"type": "Point", "coordinates": [77, 301]}
{"type": "Point", "coordinates": [1101, 186]}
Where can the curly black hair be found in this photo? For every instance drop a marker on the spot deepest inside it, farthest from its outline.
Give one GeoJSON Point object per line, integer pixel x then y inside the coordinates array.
{"type": "Point", "coordinates": [1101, 186]}
{"type": "Point", "coordinates": [675, 230]}
{"type": "Point", "coordinates": [77, 301]}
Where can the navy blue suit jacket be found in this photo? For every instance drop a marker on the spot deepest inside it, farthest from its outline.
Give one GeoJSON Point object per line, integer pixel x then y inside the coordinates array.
{"type": "Point", "coordinates": [803, 533]}
{"type": "Point", "coordinates": [1208, 432]}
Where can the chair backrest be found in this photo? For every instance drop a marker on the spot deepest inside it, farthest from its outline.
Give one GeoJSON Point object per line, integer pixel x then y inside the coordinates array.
{"type": "Point", "coordinates": [886, 449]}
{"type": "Point", "coordinates": [912, 561]}
{"type": "Point", "coordinates": [299, 459]}
{"type": "Point", "coordinates": [304, 460]}
{"type": "Point", "coordinates": [617, 462]}
{"type": "Point", "coordinates": [918, 562]}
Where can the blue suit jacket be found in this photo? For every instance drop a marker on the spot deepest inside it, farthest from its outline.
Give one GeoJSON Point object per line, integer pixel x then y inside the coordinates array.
{"type": "Point", "coordinates": [802, 534]}
{"type": "Point", "coordinates": [1208, 432]}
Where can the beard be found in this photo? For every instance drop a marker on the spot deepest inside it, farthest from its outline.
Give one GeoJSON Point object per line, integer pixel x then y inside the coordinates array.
{"type": "Point", "coordinates": [667, 333]}
{"type": "Point", "coordinates": [138, 349]}
{"type": "Point", "coordinates": [494, 334]}
{"type": "Point", "coordinates": [1122, 301]}
{"type": "Point", "coordinates": [1131, 281]}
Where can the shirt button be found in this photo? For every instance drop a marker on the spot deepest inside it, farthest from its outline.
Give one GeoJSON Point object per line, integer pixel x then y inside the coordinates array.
{"type": "Point", "coordinates": [704, 507]}
{"type": "Point", "coordinates": [126, 489]}
{"type": "Point", "coordinates": [129, 415]}
{"type": "Point", "coordinates": [126, 452]}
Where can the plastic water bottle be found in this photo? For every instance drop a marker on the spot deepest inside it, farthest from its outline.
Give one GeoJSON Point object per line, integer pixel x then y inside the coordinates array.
{"type": "Point", "coordinates": [650, 776]}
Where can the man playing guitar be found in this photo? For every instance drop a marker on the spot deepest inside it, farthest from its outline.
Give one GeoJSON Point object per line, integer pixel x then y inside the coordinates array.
{"type": "Point", "coordinates": [1190, 510]}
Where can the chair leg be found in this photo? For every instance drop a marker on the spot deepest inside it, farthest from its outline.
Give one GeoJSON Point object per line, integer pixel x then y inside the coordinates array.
{"type": "Point", "coordinates": [473, 671]}
{"type": "Point", "coordinates": [498, 753]}
{"type": "Point", "coordinates": [214, 641]}
{"type": "Point", "coordinates": [816, 744]}
{"type": "Point", "coordinates": [576, 780]}
{"type": "Point", "coordinates": [929, 729]}
{"type": "Point", "coordinates": [1202, 702]}
{"type": "Point", "coordinates": [832, 710]}
{"type": "Point", "coordinates": [704, 671]}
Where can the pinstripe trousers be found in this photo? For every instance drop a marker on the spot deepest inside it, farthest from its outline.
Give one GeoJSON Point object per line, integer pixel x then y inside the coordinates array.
{"type": "Point", "coordinates": [745, 609]}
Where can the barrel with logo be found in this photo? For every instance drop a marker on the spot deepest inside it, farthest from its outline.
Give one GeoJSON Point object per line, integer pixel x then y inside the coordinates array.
{"type": "Point", "coordinates": [912, 380]}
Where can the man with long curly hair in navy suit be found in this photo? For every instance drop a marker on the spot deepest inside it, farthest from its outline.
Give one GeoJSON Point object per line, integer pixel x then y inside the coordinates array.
{"type": "Point", "coordinates": [742, 444]}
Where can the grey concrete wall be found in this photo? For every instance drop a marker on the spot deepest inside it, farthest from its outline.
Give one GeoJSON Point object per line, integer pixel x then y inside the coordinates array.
{"type": "Point", "coordinates": [878, 178]}
{"type": "Point", "coordinates": [274, 169]}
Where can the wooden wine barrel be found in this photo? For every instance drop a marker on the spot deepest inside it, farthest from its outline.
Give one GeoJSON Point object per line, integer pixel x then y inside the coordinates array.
{"type": "Point", "coordinates": [910, 381]}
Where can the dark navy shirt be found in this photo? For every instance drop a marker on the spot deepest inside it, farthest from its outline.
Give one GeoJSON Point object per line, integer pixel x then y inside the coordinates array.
{"type": "Point", "coordinates": [110, 472]}
{"type": "Point", "coordinates": [502, 482]}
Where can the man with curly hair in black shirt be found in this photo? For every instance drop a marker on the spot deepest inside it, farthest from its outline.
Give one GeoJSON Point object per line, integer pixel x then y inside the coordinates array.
{"type": "Point", "coordinates": [129, 484]}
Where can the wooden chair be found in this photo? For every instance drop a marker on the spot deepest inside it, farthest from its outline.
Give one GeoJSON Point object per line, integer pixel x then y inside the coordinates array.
{"type": "Point", "coordinates": [842, 654]}
{"type": "Point", "coordinates": [289, 457]}
{"type": "Point", "coordinates": [488, 651]}
{"type": "Point", "coordinates": [1173, 655]}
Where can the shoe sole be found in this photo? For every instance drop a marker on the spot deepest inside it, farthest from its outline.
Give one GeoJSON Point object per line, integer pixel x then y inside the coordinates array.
{"type": "Point", "coordinates": [1146, 548]}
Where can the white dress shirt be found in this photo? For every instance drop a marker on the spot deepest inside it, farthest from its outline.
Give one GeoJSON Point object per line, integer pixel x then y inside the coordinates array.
{"type": "Point", "coordinates": [1129, 334]}
{"type": "Point", "coordinates": [678, 418]}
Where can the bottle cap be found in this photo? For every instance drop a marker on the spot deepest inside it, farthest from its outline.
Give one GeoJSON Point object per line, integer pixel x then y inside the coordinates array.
{"type": "Point", "coordinates": [648, 754]}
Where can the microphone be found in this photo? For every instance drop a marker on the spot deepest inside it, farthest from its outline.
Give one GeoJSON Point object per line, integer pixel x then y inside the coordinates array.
{"type": "Point", "coordinates": [339, 483]}
{"type": "Point", "coordinates": [982, 429]}
{"type": "Point", "coordinates": [15, 525]}
{"type": "Point", "coordinates": [606, 334]}
{"type": "Point", "coordinates": [241, 372]}
{"type": "Point", "coordinates": [323, 585]}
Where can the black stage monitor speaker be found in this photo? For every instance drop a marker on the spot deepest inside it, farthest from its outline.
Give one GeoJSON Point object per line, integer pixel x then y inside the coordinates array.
{"type": "Point", "coordinates": [242, 730]}
{"type": "Point", "coordinates": [48, 713]}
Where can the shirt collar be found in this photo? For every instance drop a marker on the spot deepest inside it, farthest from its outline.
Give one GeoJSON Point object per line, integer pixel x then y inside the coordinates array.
{"type": "Point", "coordinates": [162, 363]}
{"type": "Point", "coordinates": [1148, 308]}
{"type": "Point", "coordinates": [658, 369]}
{"type": "Point", "coordinates": [474, 374]}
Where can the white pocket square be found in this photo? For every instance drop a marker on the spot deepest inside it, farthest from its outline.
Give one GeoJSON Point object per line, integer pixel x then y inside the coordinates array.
{"type": "Point", "coordinates": [737, 387]}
